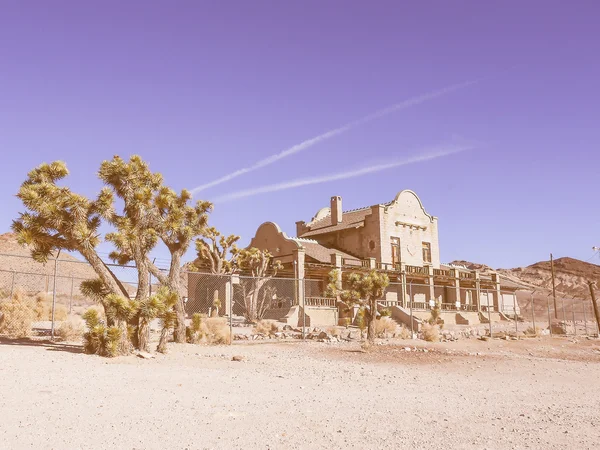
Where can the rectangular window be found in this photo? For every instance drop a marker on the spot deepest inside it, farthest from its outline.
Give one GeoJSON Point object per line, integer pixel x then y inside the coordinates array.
{"type": "Point", "coordinates": [395, 251]}
{"type": "Point", "coordinates": [426, 252]}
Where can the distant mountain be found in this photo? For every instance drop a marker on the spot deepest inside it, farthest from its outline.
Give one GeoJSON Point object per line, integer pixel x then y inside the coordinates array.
{"type": "Point", "coordinates": [571, 275]}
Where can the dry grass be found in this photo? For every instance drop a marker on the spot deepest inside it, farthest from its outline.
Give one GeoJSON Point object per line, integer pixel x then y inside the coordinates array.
{"type": "Point", "coordinates": [431, 333]}
{"type": "Point", "coordinates": [403, 333]}
{"type": "Point", "coordinates": [16, 316]}
{"type": "Point", "coordinates": [384, 327]}
{"type": "Point", "coordinates": [533, 332]}
{"type": "Point", "coordinates": [43, 308]}
{"type": "Point", "coordinates": [217, 331]}
{"type": "Point", "coordinates": [266, 327]}
{"type": "Point", "coordinates": [205, 330]}
{"type": "Point", "coordinates": [70, 330]}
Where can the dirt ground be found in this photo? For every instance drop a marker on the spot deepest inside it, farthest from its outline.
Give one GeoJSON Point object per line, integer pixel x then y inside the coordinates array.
{"type": "Point", "coordinates": [534, 393]}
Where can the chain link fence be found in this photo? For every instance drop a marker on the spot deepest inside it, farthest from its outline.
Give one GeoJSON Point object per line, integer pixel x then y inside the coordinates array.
{"type": "Point", "coordinates": [35, 298]}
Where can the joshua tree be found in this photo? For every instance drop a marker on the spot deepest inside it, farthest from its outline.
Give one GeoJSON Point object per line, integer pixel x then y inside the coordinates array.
{"type": "Point", "coordinates": [257, 263]}
{"type": "Point", "coordinates": [59, 219]}
{"type": "Point", "coordinates": [213, 250]}
{"type": "Point", "coordinates": [363, 290]}
{"type": "Point", "coordinates": [178, 223]}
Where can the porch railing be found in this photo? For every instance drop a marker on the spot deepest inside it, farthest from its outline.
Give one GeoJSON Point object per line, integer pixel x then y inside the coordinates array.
{"type": "Point", "coordinates": [321, 301]}
{"type": "Point", "coordinates": [350, 262]}
{"type": "Point", "coordinates": [416, 270]}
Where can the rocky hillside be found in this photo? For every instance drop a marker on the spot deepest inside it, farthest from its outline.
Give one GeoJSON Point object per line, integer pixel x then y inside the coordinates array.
{"type": "Point", "coordinates": [572, 275]}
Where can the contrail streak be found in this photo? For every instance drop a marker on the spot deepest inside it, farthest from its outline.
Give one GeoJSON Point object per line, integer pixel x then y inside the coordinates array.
{"type": "Point", "coordinates": [433, 153]}
{"type": "Point", "coordinates": [336, 131]}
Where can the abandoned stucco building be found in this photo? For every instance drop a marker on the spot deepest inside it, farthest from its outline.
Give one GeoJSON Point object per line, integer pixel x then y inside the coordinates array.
{"type": "Point", "coordinates": [399, 238]}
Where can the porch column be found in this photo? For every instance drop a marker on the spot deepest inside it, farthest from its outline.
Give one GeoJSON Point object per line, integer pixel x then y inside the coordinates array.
{"type": "Point", "coordinates": [372, 263]}
{"type": "Point", "coordinates": [457, 296]}
{"type": "Point", "coordinates": [497, 295]}
{"type": "Point", "coordinates": [477, 298]}
{"type": "Point", "coordinates": [431, 286]}
{"type": "Point", "coordinates": [336, 262]}
{"type": "Point", "coordinates": [404, 298]}
{"type": "Point", "coordinates": [299, 256]}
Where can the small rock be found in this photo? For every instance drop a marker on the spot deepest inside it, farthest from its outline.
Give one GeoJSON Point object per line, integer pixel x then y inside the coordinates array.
{"type": "Point", "coordinates": [145, 355]}
{"type": "Point", "coordinates": [238, 358]}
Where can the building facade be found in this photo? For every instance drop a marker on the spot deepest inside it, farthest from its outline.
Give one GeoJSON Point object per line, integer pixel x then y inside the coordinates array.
{"type": "Point", "coordinates": [399, 238]}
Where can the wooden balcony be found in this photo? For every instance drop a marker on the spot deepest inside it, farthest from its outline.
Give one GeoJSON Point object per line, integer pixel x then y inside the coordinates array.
{"type": "Point", "coordinates": [388, 267]}
{"type": "Point", "coordinates": [355, 263]}
{"type": "Point", "coordinates": [466, 275]}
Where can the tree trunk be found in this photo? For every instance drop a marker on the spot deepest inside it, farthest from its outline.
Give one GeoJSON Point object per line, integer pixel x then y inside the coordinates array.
{"type": "Point", "coordinates": [104, 273]}
{"type": "Point", "coordinates": [372, 318]}
{"type": "Point", "coordinates": [143, 340]}
{"type": "Point", "coordinates": [173, 283]}
{"type": "Point", "coordinates": [143, 291]}
{"type": "Point", "coordinates": [162, 343]}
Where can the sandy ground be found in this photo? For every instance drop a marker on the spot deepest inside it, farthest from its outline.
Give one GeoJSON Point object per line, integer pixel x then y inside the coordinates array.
{"type": "Point", "coordinates": [535, 393]}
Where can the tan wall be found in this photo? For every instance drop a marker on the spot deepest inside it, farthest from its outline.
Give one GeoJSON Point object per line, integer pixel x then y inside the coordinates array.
{"type": "Point", "coordinates": [322, 317]}
{"type": "Point", "coordinates": [407, 208]}
{"type": "Point", "coordinates": [270, 237]}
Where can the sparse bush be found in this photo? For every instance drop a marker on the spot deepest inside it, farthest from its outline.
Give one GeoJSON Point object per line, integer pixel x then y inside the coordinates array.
{"type": "Point", "coordinates": [213, 330]}
{"type": "Point", "coordinates": [385, 312]}
{"type": "Point", "coordinates": [43, 308]}
{"type": "Point", "coordinates": [217, 331]}
{"type": "Point", "coordinates": [16, 316]}
{"type": "Point", "coordinates": [345, 322]}
{"type": "Point", "coordinates": [403, 333]}
{"type": "Point", "coordinates": [533, 332]}
{"type": "Point", "coordinates": [361, 320]}
{"type": "Point", "coordinates": [385, 326]}
{"type": "Point", "coordinates": [266, 327]}
{"type": "Point", "coordinates": [436, 313]}
{"type": "Point", "coordinates": [431, 333]}
{"type": "Point", "coordinates": [100, 339]}
{"type": "Point", "coordinates": [70, 330]}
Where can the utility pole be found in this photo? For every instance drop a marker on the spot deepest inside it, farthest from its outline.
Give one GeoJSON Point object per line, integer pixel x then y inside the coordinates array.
{"type": "Point", "coordinates": [596, 313]}
{"type": "Point", "coordinates": [553, 286]}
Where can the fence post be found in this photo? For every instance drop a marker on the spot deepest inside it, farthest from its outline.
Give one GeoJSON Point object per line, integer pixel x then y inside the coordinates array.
{"type": "Point", "coordinates": [410, 299]}
{"type": "Point", "coordinates": [71, 296]}
{"type": "Point", "coordinates": [573, 314]}
{"type": "Point", "coordinates": [54, 296]}
{"type": "Point", "coordinates": [12, 285]}
{"type": "Point", "coordinates": [489, 313]}
{"type": "Point", "coordinates": [533, 312]}
{"type": "Point", "coordinates": [562, 302]}
{"type": "Point", "coordinates": [549, 317]}
{"type": "Point", "coordinates": [515, 310]}
{"type": "Point", "coordinates": [303, 308]}
{"type": "Point", "coordinates": [231, 309]}
{"type": "Point", "coordinates": [584, 316]}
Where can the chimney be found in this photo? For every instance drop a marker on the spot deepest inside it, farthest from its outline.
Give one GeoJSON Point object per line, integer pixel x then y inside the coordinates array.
{"type": "Point", "coordinates": [336, 210]}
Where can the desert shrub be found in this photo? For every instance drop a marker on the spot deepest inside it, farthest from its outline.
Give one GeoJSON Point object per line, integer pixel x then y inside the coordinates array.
{"type": "Point", "coordinates": [385, 326]}
{"type": "Point", "coordinates": [385, 312]}
{"type": "Point", "coordinates": [70, 330]}
{"type": "Point", "coordinates": [403, 333]}
{"type": "Point", "coordinates": [100, 339]}
{"type": "Point", "coordinates": [436, 313]}
{"type": "Point", "coordinates": [361, 320]}
{"type": "Point", "coordinates": [16, 316]}
{"type": "Point", "coordinates": [217, 331]}
{"type": "Point", "coordinates": [533, 332]}
{"type": "Point", "coordinates": [196, 331]}
{"type": "Point", "coordinates": [213, 330]}
{"type": "Point", "coordinates": [265, 327]}
{"type": "Point", "coordinates": [43, 308]}
{"type": "Point", "coordinates": [431, 333]}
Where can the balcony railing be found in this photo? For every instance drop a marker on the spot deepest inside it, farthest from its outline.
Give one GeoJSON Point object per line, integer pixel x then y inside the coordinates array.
{"type": "Point", "coordinates": [415, 270]}
{"type": "Point", "coordinates": [350, 262]}
{"type": "Point", "coordinates": [466, 275]}
{"type": "Point", "coordinates": [442, 273]}
{"type": "Point", "coordinates": [321, 301]}
{"type": "Point", "coordinates": [388, 267]}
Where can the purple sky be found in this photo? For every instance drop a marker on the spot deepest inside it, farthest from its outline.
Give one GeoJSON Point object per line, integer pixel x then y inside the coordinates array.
{"type": "Point", "coordinates": [200, 89]}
